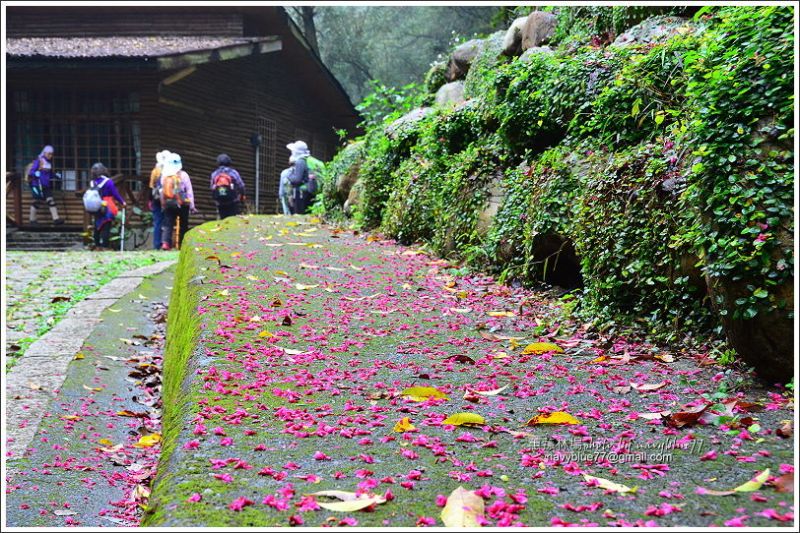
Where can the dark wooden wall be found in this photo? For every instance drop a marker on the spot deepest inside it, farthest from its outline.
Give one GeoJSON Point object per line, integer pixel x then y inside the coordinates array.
{"type": "Point", "coordinates": [217, 108]}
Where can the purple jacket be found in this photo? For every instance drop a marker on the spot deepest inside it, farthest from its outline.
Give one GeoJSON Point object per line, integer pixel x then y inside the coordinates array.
{"type": "Point", "coordinates": [45, 170]}
{"type": "Point", "coordinates": [108, 189]}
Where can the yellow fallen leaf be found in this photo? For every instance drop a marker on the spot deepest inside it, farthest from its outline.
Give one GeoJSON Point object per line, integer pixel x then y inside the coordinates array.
{"type": "Point", "coordinates": [265, 334]}
{"type": "Point", "coordinates": [464, 419]}
{"type": "Point", "coordinates": [610, 485]}
{"type": "Point", "coordinates": [114, 310]}
{"type": "Point", "coordinates": [404, 425]}
{"type": "Point", "coordinates": [79, 355]}
{"type": "Point", "coordinates": [541, 347]}
{"type": "Point", "coordinates": [105, 442]}
{"type": "Point", "coordinates": [252, 278]}
{"type": "Point", "coordinates": [93, 389]}
{"type": "Point", "coordinates": [225, 292]}
{"type": "Point", "coordinates": [499, 355]}
{"type": "Point", "coordinates": [314, 220]}
{"type": "Point", "coordinates": [501, 313]}
{"type": "Point", "coordinates": [357, 269]}
{"type": "Point", "coordinates": [309, 266]}
{"type": "Point", "coordinates": [255, 318]}
{"type": "Point", "coordinates": [599, 359]}
{"type": "Point", "coordinates": [559, 417]}
{"type": "Point", "coordinates": [462, 509]}
{"type": "Point", "coordinates": [665, 358]}
{"type": "Point", "coordinates": [236, 255]}
{"type": "Point", "coordinates": [148, 441]}
{"type": "Point", "coordinates": [71, 417]}
{"type": "Point", "coordinates": [755, 483]}
{"type": "Point", "coordinates": [462, 294]}
{"type": "Point", "coordinates": [301, 287]}
{"type": "Point", "coordinates": [420, 394]}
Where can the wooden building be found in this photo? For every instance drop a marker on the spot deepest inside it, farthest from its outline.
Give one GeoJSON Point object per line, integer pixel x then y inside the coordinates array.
{"type": "Point", "coordinates": [119, 84]}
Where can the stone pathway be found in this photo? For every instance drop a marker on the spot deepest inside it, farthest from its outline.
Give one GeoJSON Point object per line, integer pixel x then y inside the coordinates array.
{"type": "Point", "coordinates": [333, 361]}
{"type": "Point", "coordinates": [78, 404]}
{"type": "Point", "coordinates": [42, 286]}
{"type": "Point", "coordinates": [37, 377]}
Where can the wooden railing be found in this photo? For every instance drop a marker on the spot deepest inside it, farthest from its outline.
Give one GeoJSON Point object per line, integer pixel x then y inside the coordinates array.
{"type": "Point", "coordinates": [14, 187]}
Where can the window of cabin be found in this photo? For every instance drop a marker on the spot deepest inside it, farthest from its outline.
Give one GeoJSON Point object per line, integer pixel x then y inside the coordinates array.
{"type": "Point", "coordinates": [83, 127]}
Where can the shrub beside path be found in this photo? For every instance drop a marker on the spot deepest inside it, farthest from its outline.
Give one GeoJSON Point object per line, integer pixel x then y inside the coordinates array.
{"type": "Point", "coordinates": [291, 351]}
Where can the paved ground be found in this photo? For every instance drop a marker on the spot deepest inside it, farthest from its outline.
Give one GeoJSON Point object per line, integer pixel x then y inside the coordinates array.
{"type": "Point", "coordinates": [308, 340]}
{"type": "Point", "coordinates": [42, 286]}
{"type": "Point", "coordinates": [89, 390]}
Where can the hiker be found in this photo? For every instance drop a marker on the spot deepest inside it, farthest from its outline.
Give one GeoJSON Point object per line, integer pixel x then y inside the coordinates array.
{"type": "Point", "coordinates": [285, 188]}
{"type": "Point", "coordinates": [298, 178]}
{"type": "Point", "coordinates": [177, 200]}
{"type": "Point", "coordinates": [39, 173]}
{"type": "Point", "coordinates": [155, 198]}
{"type": "Point", "coordinates": [104, 216]}
{"type": "Point", "coordinates": [227, 188]}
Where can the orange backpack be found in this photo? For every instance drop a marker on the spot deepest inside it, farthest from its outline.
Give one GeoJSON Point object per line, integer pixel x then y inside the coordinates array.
{"type": "Point", "coordinates": [174, 195]}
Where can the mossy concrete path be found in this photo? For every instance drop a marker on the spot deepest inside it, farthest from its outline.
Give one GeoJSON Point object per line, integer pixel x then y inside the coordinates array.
{"type": "Point", "coordinates": [290, 350]}
{"type": "Point", "coordinates": [78, 404]}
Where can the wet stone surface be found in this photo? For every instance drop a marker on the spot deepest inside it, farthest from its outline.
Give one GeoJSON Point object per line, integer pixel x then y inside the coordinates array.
{"type": "Point", "coordinates": [308, 339]}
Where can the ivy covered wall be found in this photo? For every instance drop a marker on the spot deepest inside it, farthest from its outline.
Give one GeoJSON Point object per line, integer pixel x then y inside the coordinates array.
{"type": "Point", "coordinates": [650, 169]}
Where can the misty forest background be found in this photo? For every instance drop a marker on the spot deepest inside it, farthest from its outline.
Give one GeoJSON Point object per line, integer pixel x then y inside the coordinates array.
{"type": "Point", "coordinates": [394, 46]}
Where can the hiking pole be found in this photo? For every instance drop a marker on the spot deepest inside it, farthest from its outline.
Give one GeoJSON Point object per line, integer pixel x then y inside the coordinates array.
{"type": "Point", "coordinates": [122, 233]}
{"type": "Point", "coordinates": [176, 237]}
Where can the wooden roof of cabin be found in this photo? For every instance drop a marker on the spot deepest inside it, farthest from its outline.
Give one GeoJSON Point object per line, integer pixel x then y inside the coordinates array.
{"type": "Point", "coordinates": [35, 33]}
{"type": "Point", "coordinates": [125, 46]}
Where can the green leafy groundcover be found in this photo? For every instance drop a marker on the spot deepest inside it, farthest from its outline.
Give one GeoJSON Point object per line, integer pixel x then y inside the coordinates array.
{"type": "Point", "coordinates": [667, 166]}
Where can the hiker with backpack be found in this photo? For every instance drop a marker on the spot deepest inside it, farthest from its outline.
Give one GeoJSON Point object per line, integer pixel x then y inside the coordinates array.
{"type": "Point", "coordinates": [100, 200]}
{"type": "Point", "coordinates": [285, 188]}
{"type": "Point", "coordinates": [298, 178]}
{"type": "Point", "coordinates": [39, 173]}
{"type": "Point", "coordinates": [227, 188]}
{"type": "Point", "coordinates": [177, 200]}
{"type": "Point", "coordinates": [155, 198]}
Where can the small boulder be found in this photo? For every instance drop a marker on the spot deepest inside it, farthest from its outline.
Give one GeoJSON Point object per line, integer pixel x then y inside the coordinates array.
{"type": "Point", "coordinates": [346, 180]}
{"type": "Point", "coordinates": [530, 52]}
{"type": "Point", "coordinates": [462, 58]}
{"type": "Point", "coordinates": [655, 30]}
{"type": "Point", "coordinates": [450, 93]}
{"type": "Point", "coordinates": [538, 29]}
{"type": "Point", "coordinates": [353, 199]}
{"type": "Point", "coordinates": [512, 42]}
{"type": "Point", "coordinates": [406, 122]}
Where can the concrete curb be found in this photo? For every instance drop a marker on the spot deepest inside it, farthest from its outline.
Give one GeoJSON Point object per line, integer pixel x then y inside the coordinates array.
{"type": "Point", "coordinates": [38, 375]}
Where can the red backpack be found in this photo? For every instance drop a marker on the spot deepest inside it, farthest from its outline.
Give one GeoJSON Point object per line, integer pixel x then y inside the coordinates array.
{"type": "Point", "coordinates": [224, 192]}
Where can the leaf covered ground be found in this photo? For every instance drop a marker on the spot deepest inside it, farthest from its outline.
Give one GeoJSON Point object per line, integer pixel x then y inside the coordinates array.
{"type": "Point", "coordinates": [330, 361]}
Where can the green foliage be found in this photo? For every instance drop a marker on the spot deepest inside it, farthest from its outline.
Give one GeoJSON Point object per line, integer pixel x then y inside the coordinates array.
{"type": "Point", "coordinates": [622, 233]}
{"type": "Point", "coordinates": [464, 194]}
{"type": "Point", "coordinates": [663, 165]}
{"type": "Point", "coordinates": [645, 97]}
{"type": "Point", "coordinates": [435, 77]}
{"type": "Point", "coordinates": [600, 24]}
{"type": "Point", "coordinates": [384, 104]}
{"type": "Point", "coordinates": [539, 98]}
{"type": "Point", "coordinates": [480, 80]}
{"type": "Point", "coordinates": [346, 161]}
{"type": "Point", "coordinates": [741, 176]}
